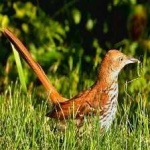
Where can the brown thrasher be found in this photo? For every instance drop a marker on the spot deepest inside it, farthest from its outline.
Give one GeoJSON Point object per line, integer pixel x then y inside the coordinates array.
{"type": "Point", "coordinates": [100, 99]}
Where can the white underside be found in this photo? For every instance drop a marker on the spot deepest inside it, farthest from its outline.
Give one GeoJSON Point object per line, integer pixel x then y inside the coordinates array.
{"type": "Point", "coordinates": [105, 122]}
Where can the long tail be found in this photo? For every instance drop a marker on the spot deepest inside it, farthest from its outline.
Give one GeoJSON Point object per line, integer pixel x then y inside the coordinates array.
{"type": "Point", "coordinates": [54, 96]}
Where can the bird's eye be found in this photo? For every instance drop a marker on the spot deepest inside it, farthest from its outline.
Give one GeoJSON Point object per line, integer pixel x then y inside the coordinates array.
{"type": "Point", "coordinates": [120, 58]}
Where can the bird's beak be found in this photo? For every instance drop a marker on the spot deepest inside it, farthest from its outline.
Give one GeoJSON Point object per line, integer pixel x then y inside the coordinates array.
{"type": "Point", "coordinates": [132, 60]}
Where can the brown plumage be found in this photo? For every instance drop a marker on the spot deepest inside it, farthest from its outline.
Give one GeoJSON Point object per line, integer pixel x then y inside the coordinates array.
{"type": "Point", "coordinates": [100, 99]}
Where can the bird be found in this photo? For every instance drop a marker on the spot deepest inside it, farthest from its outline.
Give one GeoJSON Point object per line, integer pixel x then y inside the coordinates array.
{"type": "Point", "coordinates": [100, 99]}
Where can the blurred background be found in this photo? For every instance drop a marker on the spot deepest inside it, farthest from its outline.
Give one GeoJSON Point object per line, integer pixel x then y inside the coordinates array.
{"type": "Point", "coordinates": [69, 38]}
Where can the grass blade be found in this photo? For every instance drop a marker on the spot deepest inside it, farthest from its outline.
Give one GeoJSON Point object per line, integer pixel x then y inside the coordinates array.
{"type": "Point", "coordinates": [19, 68]}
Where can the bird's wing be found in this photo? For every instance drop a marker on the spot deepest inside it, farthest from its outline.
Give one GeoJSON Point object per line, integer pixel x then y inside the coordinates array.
{"type": "Point", "coordinates": [88, 102]}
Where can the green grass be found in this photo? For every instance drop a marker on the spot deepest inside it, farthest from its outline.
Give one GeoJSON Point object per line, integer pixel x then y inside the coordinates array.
{"type": "Point", "coordinates": [19, 68]}
{"type": "Point", "coordinates": [23, 125]}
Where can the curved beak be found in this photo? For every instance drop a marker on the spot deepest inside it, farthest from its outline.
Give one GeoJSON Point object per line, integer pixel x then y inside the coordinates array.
{"type": "Point", "coordinates": [132, 60]}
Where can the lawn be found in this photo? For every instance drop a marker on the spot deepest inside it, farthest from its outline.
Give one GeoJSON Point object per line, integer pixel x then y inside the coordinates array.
{"type": "Point", "coordinates": [23, 125]}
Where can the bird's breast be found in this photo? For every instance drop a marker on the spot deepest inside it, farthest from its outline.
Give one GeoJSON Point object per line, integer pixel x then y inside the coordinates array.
{"type": "Point", "coordinates": [110, 108]}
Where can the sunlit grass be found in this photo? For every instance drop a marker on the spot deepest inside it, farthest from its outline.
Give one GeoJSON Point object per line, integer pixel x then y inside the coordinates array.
{"type": "Point", "coordinates": [23, 125]}
{"type": "Point", "coordinates": [19, 68]}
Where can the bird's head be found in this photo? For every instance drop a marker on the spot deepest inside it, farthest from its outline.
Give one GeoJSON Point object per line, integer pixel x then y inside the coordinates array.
{"type": "Point", "coordinates": [113, 62]}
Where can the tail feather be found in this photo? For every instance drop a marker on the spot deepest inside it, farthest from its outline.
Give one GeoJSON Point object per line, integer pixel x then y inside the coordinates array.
{"type": "Point", "coordinates": [54, 96]}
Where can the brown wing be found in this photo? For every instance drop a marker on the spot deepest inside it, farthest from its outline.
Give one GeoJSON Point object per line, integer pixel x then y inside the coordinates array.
{"type": "Point", "coordinates": [71, 108]}
{"type": "Point", "coordinates": [88, 102]}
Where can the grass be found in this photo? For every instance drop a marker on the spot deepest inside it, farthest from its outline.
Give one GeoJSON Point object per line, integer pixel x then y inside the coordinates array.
{"type": "Point", "coordinates": [23, 125]}
{"type": "Point", "coordinates": [19, 68]}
